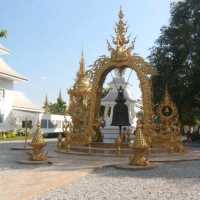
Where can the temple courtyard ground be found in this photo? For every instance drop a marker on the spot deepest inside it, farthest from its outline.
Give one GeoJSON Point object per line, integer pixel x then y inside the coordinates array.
{"type": "Point", "coordinates": [73, 177]}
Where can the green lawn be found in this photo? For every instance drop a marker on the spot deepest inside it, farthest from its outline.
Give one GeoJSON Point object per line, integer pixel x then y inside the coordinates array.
{"type": "Point", "coordinates": [14, 138]}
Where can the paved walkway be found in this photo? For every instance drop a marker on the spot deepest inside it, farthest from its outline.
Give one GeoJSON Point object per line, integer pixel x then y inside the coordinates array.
{"type": "Point", "coordinates": [24, 182]}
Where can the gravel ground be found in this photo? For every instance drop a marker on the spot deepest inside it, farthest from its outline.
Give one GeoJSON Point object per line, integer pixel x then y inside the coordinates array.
{"type": "Point", "coordinates": [175, 181]}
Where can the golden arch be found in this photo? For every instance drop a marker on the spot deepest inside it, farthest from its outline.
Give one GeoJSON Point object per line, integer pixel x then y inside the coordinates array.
{"type": "Point", "coordinates": [144, 73]}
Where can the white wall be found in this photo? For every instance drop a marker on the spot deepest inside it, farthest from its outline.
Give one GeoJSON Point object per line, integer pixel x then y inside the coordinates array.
{"type": "Point", "coordinates": [20, 115]}
{"type": "Point", "coordinates": [5, 110]}
{"type": "Point", "coordinates": [57, 120]}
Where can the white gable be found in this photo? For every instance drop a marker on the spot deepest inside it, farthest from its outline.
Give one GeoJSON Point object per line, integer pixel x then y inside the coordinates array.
{"type": "Point", "coordinates": [7, 72]}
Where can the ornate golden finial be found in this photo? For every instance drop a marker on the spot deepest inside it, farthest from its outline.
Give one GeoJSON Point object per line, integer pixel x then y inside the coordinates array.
{"type": "Point", "coordinates": [46, 105]}
{"type": "Point", "coordinates": [121, 41]}
{"type": "Point", "coordinates": [82, 82]}
{"type": "Point", "coordinates": [82, 63]}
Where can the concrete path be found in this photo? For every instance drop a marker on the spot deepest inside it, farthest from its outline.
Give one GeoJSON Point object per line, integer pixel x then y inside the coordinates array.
{"type": "Point", "coordinates": [23, 182]}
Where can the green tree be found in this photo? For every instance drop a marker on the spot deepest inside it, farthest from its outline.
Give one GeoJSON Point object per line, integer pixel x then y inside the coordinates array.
{"type": "Point", "coordinates": [59, 107]}
{"type": "Point", "coordinates": [176, 55]}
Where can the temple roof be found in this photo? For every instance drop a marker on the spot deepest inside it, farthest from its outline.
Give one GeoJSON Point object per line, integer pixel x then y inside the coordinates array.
{"type": "Point", "coordinates": [115, 84]}
{"type": "Point", "coordinates": [8, 73]}
{"type": "Point", "coordinates": [3, 50]}
{"type": "Point", "coordinates": [21, 102]}
{"type": "Point", "coordinates": [112, 95]}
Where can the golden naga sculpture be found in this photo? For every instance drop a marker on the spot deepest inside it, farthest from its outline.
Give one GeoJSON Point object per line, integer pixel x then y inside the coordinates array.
{"type": "Point", "coordinates": [169, 129]}
{"type": "Point", "coordinates": [38, 143]}
{"type": "Point", "coordinates": [140, 147]}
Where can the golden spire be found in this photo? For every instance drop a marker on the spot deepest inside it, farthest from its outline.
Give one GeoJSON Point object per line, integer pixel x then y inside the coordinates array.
{"type": "Point", "coordinates": [46, 105]}
{"type": "Point", "coordinates": [60, 96]}
{"type": "Point", "coordinates": [121, 41]}
{"type": "Point", "coordinates": [121, 30]}
{"type": "Point", "coordinates": [82, 64]}
{"type": "Point", "coordinates": [82, 82]}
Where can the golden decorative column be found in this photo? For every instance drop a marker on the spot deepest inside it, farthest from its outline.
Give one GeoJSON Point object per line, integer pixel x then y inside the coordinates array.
{"type": "Point", "coordinates": [79, 104]}
{"type": "Point", "coordinates": [38, 143]}
{"type": "Point", "coordinates": [68, 129]}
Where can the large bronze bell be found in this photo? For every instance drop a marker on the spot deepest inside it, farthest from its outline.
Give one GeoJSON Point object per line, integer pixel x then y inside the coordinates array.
{"type": "Point", "coordinates": [120, 112]}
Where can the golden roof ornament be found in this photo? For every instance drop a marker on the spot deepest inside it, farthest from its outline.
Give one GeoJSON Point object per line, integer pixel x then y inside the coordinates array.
{"type": "Point", "coordinates": [60, 96]}
{"type": "Point", "coordinates": [123, 47]}
{"type": "Point", "coordinates": [82, 83]}
{"type": "Point", "coordinates": [82, 65]}
{"type": "Point", "coordinates": [46, 105]}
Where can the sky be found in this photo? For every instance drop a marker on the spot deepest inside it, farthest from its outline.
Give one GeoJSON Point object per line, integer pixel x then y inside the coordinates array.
{"type": "Point", "coordinates": [46, 38]}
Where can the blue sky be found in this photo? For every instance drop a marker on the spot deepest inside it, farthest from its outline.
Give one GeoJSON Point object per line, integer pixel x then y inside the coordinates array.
{"type": "Point", "coordinates": [46, 37]}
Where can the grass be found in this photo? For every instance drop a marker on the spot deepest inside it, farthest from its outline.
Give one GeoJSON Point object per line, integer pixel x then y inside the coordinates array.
{"type": "Point", "coordinates": [14, 138]}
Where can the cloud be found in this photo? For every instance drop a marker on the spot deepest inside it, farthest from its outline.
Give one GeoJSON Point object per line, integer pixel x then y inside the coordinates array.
{"type": "Point", "coordinates": [43, 78]}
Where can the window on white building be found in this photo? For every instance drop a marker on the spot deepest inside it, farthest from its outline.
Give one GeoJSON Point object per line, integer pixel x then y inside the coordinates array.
{"type": "Point", "coordinates": [44, 123]}
{"type": "Point", "coordinates": [1, 118]}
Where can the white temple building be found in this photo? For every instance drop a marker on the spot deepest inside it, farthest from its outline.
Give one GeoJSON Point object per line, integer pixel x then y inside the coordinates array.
{"type": "Point", "coordinates": [15, 107]}
{"type": "Point", "coordinates": [110, 133]}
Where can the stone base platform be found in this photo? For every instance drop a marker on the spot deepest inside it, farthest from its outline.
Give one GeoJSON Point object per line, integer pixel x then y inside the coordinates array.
{"type": "Point", "coordinates": [134, 167]}
{"type": "Point", "coordinates": [31, 162]}
{"type": "Point", "coordinates": [21, 148]}
{"type": "Point", "coordinates": [152, 156]}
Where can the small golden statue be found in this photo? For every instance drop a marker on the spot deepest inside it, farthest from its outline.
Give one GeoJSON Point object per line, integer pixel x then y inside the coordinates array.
{"type": "Point", "coordinates": [38, 144]}
{"type": "Point", "coordinates": [140, 148]}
